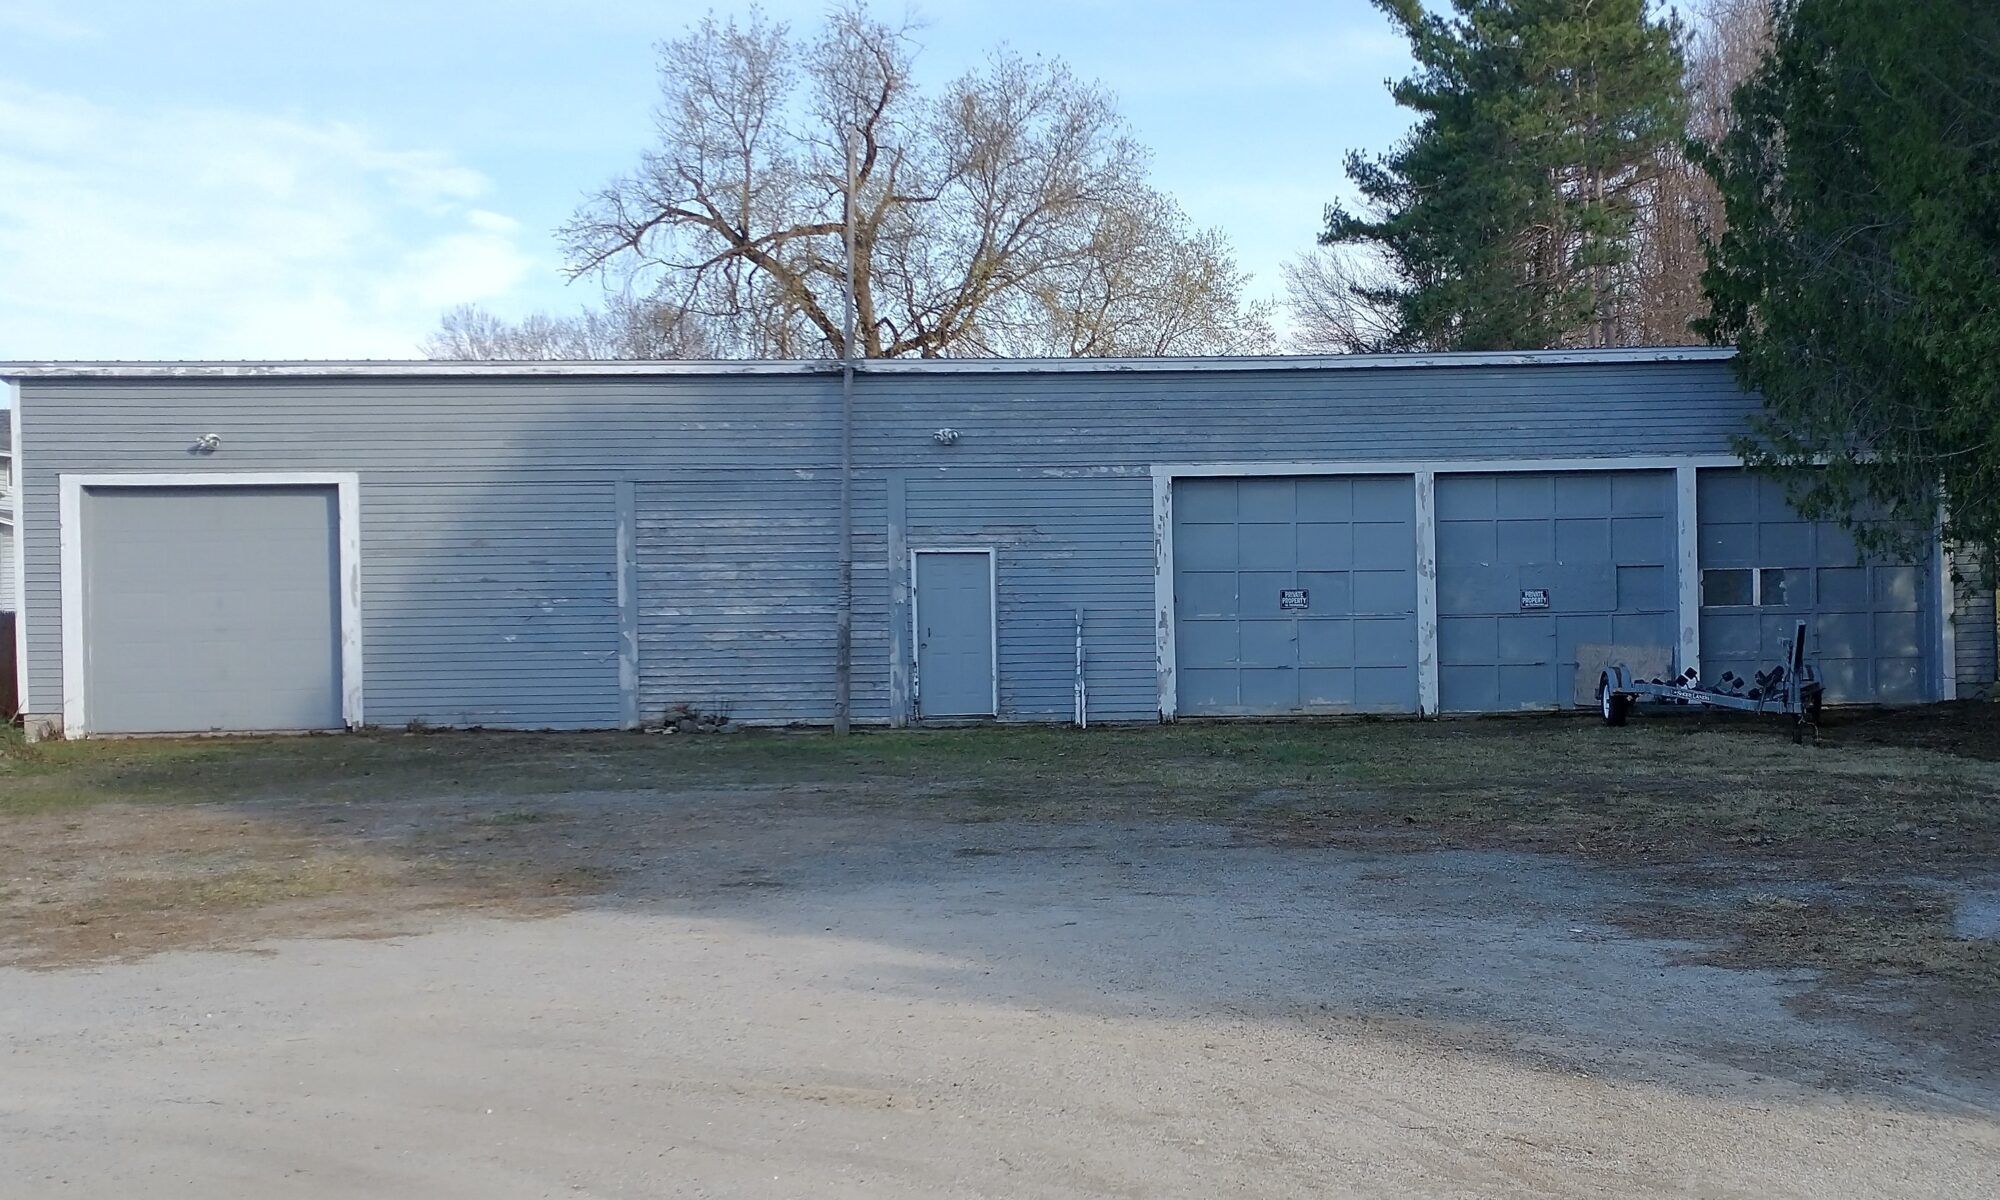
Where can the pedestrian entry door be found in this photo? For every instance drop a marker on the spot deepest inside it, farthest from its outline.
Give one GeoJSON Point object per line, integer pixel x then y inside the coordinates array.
{"type": "Point", "coordinates": [956, 644]}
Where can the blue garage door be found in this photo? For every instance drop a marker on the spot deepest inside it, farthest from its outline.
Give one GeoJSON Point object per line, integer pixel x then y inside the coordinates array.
{"type": "Point", "coordinates": [211, 608]}
{"type": "Point", "coordinates": [1295, 595]}
{"type": "Point", "coordinates": [1763, 569]}
{"type": "Point", "coordinates": [1532, 565]}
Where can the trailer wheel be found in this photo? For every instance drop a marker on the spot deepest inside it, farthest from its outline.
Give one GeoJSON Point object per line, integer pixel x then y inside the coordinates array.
{"type": "Point", "coordinates": [1615, 706]}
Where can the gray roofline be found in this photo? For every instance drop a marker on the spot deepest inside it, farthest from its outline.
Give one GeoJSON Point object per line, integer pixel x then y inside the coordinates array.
{"type": "Point", "coordinates": [888, 366]}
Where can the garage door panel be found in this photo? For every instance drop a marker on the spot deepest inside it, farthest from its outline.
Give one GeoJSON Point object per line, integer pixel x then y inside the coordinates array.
{"type": "Point", "coordinates": [1384, 545]}
{"type": "Point", "coordinates": [1526, 641]}
{"type": "Point", "coordinates": [1899, 680]}
{"type": "Point", "coordinates": [1467, 541]}
{"type": "Point", "coordinates": [1897, 588]}
{"type": "Point", "coordinates": [210, 608]}
{"type": "Point", "coordinates": [1727, 543]}
{"type": "Point", "coordinates": [1843, 587]}
{"type": "Point", "coordinates": [1386, 643]}
{"type": "Point", "coordinates": [1523, 496]}
{"type": "Point", "coordinates": [1326, 643]}
{"type": "Point", "coordinates": [1322, 573]}
{"type": "Point", "coordinates": [1325, 546]}
{"type": "Point", "coordinates": [1205, 547]}
{"type": "Point", "coordinates": [1273, 500]}
{"type": "Point", "coordinates": [1326, 499]}
{"type": "Point", "coordinates": [1206, 643]}
{"type": "Point", "coordinates": [1206, 689]}
{"type": "Point", "coordinates": [1385, 689]}
{"type": "Point", "coordinates": [1468, 639]}
{"type": "Point", "coordinates": [1572, 632]}
{"type": "Point", "coordinates": [1205, 594]}
{"type": "Point", "coordinates": [1899, 635]}
{"type": "Point", "coordinates": [1637, 491]}
{"type": "Point", "coordinates": [1258, 592]}
{"type": "Point", "coordinates": [1583, 540]}
{"type": "Point", "coordinates": [1836, 547]}
{"type": "Point", "coordinates": [1573, 558]}
{"type": "Point", "coordinates": [1268, 643]}
{"type": "Point", "coordinates": [1523, 685]}
{"type": "Point", "coordinates": [1644, 588]}
{"type": "Point", "coordinates": [1205, 500]}
{"type": "Point", "coordinates": [1331, 593]}
{"type": "Point", "coordinates": [1326, 687]}
{"type": "Point", "coordinates": [1521, 541]}
{"type": "Point", "coordinates": [1381, 591]}
{"type": "Point", "coordinates": [1473, 689]}
{"type": "Point", "coordinates": [1270, 689]}
{"type": "Point", "coordinates": [1385, 498]}
{"type": "Point", "coordinates": [1266, 546]}
{"type": "Point", "coordinates": [1582, 495]}
{"type": "Point", "coordinates": [1730, 636]}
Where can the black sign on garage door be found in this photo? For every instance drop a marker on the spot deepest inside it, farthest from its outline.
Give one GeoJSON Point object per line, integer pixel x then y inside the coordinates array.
{"type": "Point", "coordinates": [1531, 565]}
{"type": "Point", "coordinates": [1295, 595]}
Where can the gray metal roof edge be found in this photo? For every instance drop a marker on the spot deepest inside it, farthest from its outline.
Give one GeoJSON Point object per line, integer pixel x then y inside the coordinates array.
{"type": "Point", "coordinates": [398, 368]}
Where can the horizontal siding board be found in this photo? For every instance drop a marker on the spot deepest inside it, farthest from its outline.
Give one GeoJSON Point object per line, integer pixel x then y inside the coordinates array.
{"type": "Point", "coordinates": [1059, 545]}
{"type": "Point", "coordinates": [488, 508]}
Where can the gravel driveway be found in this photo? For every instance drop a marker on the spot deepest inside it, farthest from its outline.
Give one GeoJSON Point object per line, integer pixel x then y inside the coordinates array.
{"type": "Point", "coordinates": [824, 1001]}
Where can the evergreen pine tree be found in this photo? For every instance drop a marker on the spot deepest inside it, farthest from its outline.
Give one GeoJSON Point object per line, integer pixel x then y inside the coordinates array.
{"type": "Point", "coordinates": [1860, 273]}
{"type": "Point", "coordinates": [1507, 215]}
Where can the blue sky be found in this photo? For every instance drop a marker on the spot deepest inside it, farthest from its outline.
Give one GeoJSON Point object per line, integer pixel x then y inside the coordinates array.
{"type": "Point", "coordinates": [223, 178]}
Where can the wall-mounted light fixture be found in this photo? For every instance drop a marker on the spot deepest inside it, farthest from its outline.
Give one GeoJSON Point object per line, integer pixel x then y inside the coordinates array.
{"type": "Point", "coordinates": [207, 443]}
{"type": "Point", "coordinates": [946, 436]}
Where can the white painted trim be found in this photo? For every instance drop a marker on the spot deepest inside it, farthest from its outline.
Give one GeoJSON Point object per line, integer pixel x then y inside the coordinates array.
{"type": "Point", "coordinates": [20, 535]}
{"type": "Point", "coordinates": [1165, 665]}
{"type": "Point", "coordinates": [1446, 466]}
{"type": "Point", "coordinates": [1429, 684]}
{"type": "Point", "coordinates": [347, 499]}
{"type": "Point", "coordinates": [1947, 624]}
{"type": "Point", "coordinates": [625, 500]}
{"type": "Point", "coordinates": [392, 368]}
{"type": "Point", "coordinates": [993, 622]}
{"type": "Point", "coordinates": [1687, 535]}
{"type": "Point", "coordinates": [1429, 687]}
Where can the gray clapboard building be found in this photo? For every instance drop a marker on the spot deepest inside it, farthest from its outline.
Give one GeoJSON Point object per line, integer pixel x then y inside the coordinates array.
{"type": "Point", "coordinates": [317, 545]}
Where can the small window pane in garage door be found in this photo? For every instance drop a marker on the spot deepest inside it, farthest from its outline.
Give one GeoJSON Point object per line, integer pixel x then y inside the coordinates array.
{"type": "Point", "coordinates": [1295, 595]}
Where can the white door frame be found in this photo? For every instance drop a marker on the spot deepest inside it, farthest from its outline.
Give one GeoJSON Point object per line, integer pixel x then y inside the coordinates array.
{"type": "Point", "coordinates": [992, 621]}
{"type": "Point", "coordinates": [347, 488]}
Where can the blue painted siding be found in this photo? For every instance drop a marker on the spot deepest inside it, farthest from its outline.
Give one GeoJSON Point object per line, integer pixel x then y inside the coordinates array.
{"type": "Point", "coordinates": [490, 510]}
{"type": "Point", "coordinates": [738, 581]}
{"type": "Point", "coordinates": [489, 603]}
{"type": "Point", "coordinates": [1060, 543]}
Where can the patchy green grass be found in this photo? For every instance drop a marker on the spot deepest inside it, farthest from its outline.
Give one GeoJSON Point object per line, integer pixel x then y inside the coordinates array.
{"type": "Point", "coordinates": [1657, 789]}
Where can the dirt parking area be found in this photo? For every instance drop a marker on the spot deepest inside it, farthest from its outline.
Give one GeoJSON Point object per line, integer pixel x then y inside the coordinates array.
{"type": "Point", "coordinates": [1477, 958]}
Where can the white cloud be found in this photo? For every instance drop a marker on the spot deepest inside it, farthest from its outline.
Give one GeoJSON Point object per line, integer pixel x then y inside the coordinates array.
{"type": "Point", "coordinates": [198, 233]}
{"type": "Point", "coordinates": [37, 18]}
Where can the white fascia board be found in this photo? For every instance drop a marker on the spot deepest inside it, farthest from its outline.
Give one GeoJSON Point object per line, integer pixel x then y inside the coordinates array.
{"type": "Point", "coordinates": [11, 392]}
{"type": "Point", "coordinates": [888, 366]}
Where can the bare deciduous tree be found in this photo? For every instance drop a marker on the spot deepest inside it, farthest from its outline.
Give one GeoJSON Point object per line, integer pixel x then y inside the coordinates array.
{"type": "Point", "coordinates": [623, 328]}
{"type": "Point", "coordinates": [1007, 214]}
{"type": "Point", "coordinates": [1327, 296]}
{"type": "Point", "coordinates": [1681, 207]}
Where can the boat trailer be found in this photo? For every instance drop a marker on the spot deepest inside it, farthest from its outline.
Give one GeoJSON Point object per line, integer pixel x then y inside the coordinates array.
{"type": "Point", "coordinates": [1792, 689]}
